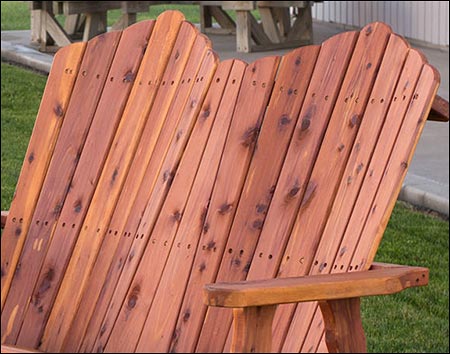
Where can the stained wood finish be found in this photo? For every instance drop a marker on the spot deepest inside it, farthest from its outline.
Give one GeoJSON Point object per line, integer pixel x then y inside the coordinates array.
{"type": "Point", "coordinates": [180, 171]}
{"type": "Point", "coordinates": [359, 158]}
{"type": "Point", "coordinates": [14, 349]}
{"type": "Point", "coordinates": [50, 117]}
{"type": "Point", "coordinates": [439, 110]}
{"type": "Point", "coordinates": [252, 329]}
{"type": "Point", "coordinates": [342, 317]}
{"type": "Point", "coordinates": [4, 218]}
{"type": "Point", "coordinates": [337, 286]}
{"type": "Point", "coordinates": [169, 294]}
{"type": "Point", "coordinates": [123, 70]}
{"type": "Point", "coordinates": [276, 131]}
{"type": "Point", "coordinates": [169, 110]}
{"type": "Point", "coordinates": [255, 91]}
{"type": "Point", "coordinates": [80, 112]}
{"type": "Point", "coordinates": [110, 181]}
{"type": "Point", "coordinates": [192, 310]}
{"type": "Point", "coordinates": [137, 302]}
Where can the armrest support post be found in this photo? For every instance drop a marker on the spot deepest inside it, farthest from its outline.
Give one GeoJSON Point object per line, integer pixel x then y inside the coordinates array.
{"type": "Point", "coordinates": [4, 218]}
{"type": "Point", "coordinates": [252, 329]}
{"type": "Point", "coordinates": [344, 331]}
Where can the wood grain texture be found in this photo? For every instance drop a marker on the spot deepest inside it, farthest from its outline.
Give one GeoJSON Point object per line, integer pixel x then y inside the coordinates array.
{"type": "Point", "coordinates": [80, 112]}
{"type": "Point", "coordinates": [154, 170]}
{"type": "Point", "coordinates": [50, 116]}
{"type": "Point", "coordinates": [192, 310]}
{"type": "Point", "coordinates": [161, 238]}
{"type": "Point", "coordinates": [353, 177]}
{"type": "Point", "coordinates": [396, 169]}
{"type": "Point", "coordinates": [5, 214]}
{"type": "Point", "coordinates": [252, 329]}
{"type": "Point", "coordinates": [170, 98]}
{"type": "Point", "coordinates": [389, 135]}
{"type": "Point", "coordinates": [250, 108]}
{"type": "Point", "coordinates": [250, 293]}
{"type": "Point", "coordinates": [331, 161]}
{"type": "Point", "coordinates": [110, 181]}
{"type": "Point", "coordinates": [342, 317]}
{"type": "Point", "coordinates": [192, 181]}
{"type": "Point", "coordinates": [168, 149]}
{"type": "Point", "coordinates": [280, 120]}
{"type": "Point", "coordinates": [120, 80]}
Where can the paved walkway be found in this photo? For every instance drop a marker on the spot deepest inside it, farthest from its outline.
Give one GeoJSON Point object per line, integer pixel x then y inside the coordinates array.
{"type": "Point", "coordinates": [427, 181]}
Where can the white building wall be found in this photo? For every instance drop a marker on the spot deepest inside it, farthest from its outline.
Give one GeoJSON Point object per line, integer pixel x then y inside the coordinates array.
{"type": "Point", "coordinates": [421, 20]}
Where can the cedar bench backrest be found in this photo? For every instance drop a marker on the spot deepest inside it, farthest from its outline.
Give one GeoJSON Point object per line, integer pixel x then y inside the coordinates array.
{"type": "Point", "coordinates": [154, 169]}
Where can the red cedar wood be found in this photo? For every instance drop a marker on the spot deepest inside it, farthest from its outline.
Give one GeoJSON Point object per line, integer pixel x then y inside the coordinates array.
{"type": "Point", "coordinates": [397, 109]}
{"type": "Point", "coordinates": [155, 254]}
{"type": "Point", "coordinates": [330, 163]}
{"type": "Point", "coordinates": [169, 294]}
{"type": "Point", "coordinates": [378, 281]}
{"type": "Point", "coordinates": [5, 214]}
{"type": "Point", "coordinates": [53, 106]}
{"type": "Point", "coordinates": [80, 111]}
{"type": "Point", "coordinates": [110, 182]}
{"type": "Point", "coordinates": [163, 104]}
{"type": "Point", "coordinates": [374, 225]}
{"type": "Point", "coordinates": [236, 157]}
{"type": "Point", "coordinates": [123, 71]}
{"type": "Point", "coordinates": [132, 197]}
{"type": "Point", "coordinates": [276, 132]}
{"type": "Point", "coordinates": [347, 194]}
{"type": "Point", "coordinates": [202, 190]}
{"type": "Point", "coordinates": [170, 144]}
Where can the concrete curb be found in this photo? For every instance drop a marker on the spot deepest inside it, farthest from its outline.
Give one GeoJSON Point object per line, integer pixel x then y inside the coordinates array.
{"type": "Point", "coordinates": [26, 56]}
{"type": "Point", "coordinates": [424, 199]}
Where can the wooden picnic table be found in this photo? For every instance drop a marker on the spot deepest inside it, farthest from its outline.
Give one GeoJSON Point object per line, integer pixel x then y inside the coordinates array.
{"type": "Point", "coordinates": [283, 24]}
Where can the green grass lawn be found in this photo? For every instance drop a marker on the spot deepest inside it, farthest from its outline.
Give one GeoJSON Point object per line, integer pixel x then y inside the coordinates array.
{"type": "Point", "coordinates": [415, 320]}
{"type": "Point", "coordinates": [16, 14]}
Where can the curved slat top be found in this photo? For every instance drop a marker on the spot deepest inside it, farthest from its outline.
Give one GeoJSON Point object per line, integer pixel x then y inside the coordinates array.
{"type": "Point", "coordinates": [154, 169]}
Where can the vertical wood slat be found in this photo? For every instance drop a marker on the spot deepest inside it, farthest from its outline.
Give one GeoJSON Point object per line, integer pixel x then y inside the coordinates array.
{"type": "Point", "coordinates": [313, 118]}
{"type": "Point", "coordinates": [353, 177]}
{"type": "Point", "coordinates": [110, 181]}
{"type": "Point", "coordinates": [395, 172]}
{"type": "Point", "coordinates": [123, 70]}
{"type": "Point", "coordinates": [166, 155]}
{"type": "Point", "coordinates": [380, 158]}
{"type": "Point", "coordinates": [210, 162]}
{"type": "Point", "coordinates": [154, 257]}
{"type": "Point", "coordinates": [280, 120]}
{"type": "Point", "coordinates": [78, 117]}
{"type": "Point", "coordinates": [241, 140]}
{"type": "Point", "coordinates": [276, 130]}
{"type": "Point", "coordinates": [164, 102]}
{"type": "Point", "coordinates": [397, 109]}
{"type": "Point", "coordinates": [178, 239]}
{"type": "Point", "coordinates": [42, 142]}
{"type": "Point", "coordinates": [332, 157]}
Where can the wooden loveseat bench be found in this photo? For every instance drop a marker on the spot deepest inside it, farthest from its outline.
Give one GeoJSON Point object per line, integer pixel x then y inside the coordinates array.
{"type": "Point", "coordinates": [162, 187]}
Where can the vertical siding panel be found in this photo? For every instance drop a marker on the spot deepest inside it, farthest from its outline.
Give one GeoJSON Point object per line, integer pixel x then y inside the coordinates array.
{"type": "Point", "coordinates": [326, 11]}
{"type": "Point", "coordinates": [436, 23]}
{"type": "Point", "coordinates": [423, 20]}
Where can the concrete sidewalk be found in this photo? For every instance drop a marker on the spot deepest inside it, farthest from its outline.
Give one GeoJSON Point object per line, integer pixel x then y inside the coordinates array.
{"type": "Point", "coordinates": [427, 182]}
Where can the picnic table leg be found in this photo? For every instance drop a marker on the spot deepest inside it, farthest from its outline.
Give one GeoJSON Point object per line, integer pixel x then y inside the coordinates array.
{"type": "Point", "coordinates": [95, 24]}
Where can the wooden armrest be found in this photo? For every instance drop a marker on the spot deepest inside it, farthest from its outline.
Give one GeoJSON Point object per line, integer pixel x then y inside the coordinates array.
{"type": "Point", "coordinates": [4, 217]}
{"type": "Point", "coordinates": [439, 110]}
{"type": "Point", "coordinates": [13, 349]}
{"type": "Point", "coordinates": [381, 280]}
